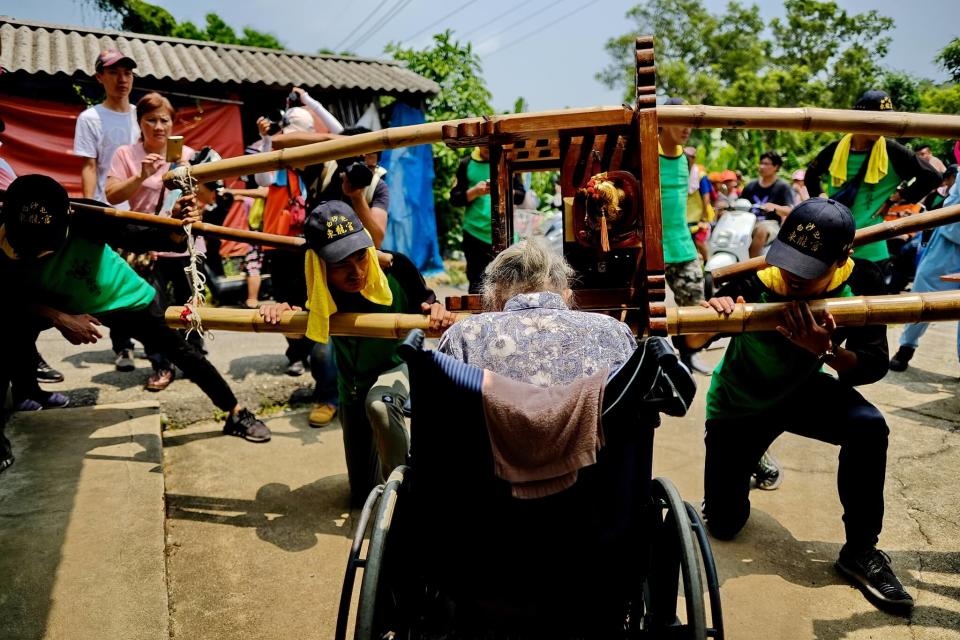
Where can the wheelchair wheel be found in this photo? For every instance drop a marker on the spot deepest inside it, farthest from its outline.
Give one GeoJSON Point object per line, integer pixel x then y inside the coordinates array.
{"type": "Point", "coordinates": [710, 571]}
{"type": "Point", "coordinates": [674, 557]}
{"type": "Point", "coordinates": [383, 499]}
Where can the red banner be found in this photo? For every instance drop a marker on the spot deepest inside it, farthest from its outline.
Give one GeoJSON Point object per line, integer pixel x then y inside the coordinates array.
{"type": "Point", "coordinates": [39, 135]}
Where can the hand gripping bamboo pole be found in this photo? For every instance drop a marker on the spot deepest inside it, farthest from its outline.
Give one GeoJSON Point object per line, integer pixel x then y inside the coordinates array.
{"type": "Point", "coordinates": [203, 228]}
{"type": "Point", "coordinates": [866, 235]}
{"type": "Point", "coordinates": [294, 323]}
{"type": "Point", "coordinates": [857, 311]}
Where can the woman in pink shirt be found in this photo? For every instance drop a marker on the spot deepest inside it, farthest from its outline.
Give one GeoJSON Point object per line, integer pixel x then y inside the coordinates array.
{"type": "Point", "coordinates": [136, 176]}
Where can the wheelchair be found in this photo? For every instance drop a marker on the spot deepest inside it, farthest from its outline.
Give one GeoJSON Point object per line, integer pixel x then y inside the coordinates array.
{"type": "Point", "coordinates": [451, 554]}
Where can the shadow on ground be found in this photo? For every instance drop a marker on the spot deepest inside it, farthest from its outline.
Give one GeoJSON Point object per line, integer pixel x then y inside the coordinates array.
{"type": "Point", "coordinates": [37, 501]}
{"type": "Point", "coordinates": [290, 519]}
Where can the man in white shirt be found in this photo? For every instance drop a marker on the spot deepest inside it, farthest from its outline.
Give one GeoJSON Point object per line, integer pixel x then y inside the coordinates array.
{"type": "Point", "coordinates": [103, 128]}
{"type": "Point", "coordinates": [100, 131]}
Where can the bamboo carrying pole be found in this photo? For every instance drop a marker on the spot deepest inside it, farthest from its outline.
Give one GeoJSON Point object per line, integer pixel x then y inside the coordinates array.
{"type": "Point", "coordinates": [203, 228]}
{"type": "Point", "coordinates": [858, 311]}
{"type": "Point", "coordinates": [699, 116]}
{"type": "Point", "coordinates": [359, 325]}
{"type": "Point", "coordinates": [866, 235]}
{"type": "Point", "coordinates": [889, 123]}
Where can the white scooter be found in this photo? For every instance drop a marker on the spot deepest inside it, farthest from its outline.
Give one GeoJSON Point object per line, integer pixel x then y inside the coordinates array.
{"type": "Point", "coordinates": [730, 240]}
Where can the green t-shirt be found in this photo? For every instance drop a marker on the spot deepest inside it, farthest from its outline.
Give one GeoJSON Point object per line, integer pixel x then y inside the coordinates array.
{"type": "Point", "coordinates": [870, 197]}
{"type": "Point", "coordinates": [476, 217]}
{"type": "Point", "coordinates": [85, 277]}
{"type": "Point", "coordinates": [360, 361]}
{"type": "Point", "coordinates": [677, 243]}
{"type": "Point", "coordinates": [759, 370]}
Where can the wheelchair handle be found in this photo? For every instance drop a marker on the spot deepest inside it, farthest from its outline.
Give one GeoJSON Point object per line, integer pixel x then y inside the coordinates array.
{"type": "Point", "coordinates": [412, 344]}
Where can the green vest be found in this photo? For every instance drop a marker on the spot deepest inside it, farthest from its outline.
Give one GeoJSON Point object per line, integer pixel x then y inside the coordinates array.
{"type": "Point", "coordinates": [677, 244]}
{"type": "Point", "coordinates": [87, 277]}
{"type": "Point", "coordinates": [759, 370]}
{"type": "Point", "coordinates": [476, 217]}
{"type": "Point", "coordinates": [870, 197]}
{"type": "Point", "coordinates": [360, 361]}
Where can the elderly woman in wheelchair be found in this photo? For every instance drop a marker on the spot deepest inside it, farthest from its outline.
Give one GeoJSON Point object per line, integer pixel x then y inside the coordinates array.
{"type": "Point", "coordinates": [528, 508]}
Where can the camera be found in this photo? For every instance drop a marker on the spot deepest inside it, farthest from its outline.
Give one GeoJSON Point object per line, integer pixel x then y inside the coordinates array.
{"type": "Point", "coordinates": [358, 173]}
{"type": "Point", "coordinates": [278, 120]}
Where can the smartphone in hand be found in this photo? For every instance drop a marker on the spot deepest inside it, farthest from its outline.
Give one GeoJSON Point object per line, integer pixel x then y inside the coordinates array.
{"type": "Point", "coordinates": [174, 148]}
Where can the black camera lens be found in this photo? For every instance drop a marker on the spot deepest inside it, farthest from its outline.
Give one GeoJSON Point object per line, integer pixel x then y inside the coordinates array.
{"type": "Point", "coordinates": [359, 175]}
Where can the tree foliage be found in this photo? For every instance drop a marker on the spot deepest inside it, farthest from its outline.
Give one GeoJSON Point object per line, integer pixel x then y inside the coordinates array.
{"type": "Point", "coordinates": [817, 54]}
{"type": "Point", "coordinates": [949, 59]}
{"type": "Point", "coordinates": [456, 68]}
{"type": "Point", "coordinates": [143, 17]}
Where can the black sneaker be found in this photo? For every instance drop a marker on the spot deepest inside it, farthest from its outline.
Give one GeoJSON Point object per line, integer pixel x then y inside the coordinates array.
{"type": "Point", "coordinates": [900, 359]}
{"type": "Point", "coordinates": [692, 362]}
{"type": "Point", "coordinates": [296, 369]}
{"type": "Point", "coordinates": [870, 572]}
{"type": "Point", "coordinates": [246, 425]}
{"type": "Point", "coordinates": [768, 474]}
{"type": "Point", "coordinates": [46, 373]}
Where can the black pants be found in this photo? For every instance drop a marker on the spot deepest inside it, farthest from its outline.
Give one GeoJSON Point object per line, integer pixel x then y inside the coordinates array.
{"type": "Point", "coordinates": [824, 409]}
{"type": "Point", "coordinates": [172, 285]}
{"type": "Point", "coordinates": [289, 282]}
{"type": "Point", "coordinates": [478, 255]}
{"type": "Point", "coordinates": [147, 326]}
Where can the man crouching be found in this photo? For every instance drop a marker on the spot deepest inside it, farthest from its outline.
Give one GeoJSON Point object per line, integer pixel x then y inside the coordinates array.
{"type": "Point", "coordinates": [770, 382]}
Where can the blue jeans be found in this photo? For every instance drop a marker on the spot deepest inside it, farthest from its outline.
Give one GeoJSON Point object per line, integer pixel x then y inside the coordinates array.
{"type": "Point", "coordinates": [941, 257]}
{"type": "Point", "coordinates": [323, 368]}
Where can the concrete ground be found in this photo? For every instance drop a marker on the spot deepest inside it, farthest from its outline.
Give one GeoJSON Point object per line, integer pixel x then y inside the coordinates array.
{"type": "Point", "coordinates": [256, 536]}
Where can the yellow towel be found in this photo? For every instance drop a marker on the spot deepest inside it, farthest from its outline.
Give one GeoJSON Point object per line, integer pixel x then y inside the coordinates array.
{"type": "Point", "coordinates": [876, 167]}
{"type": "Point", "coordinates": [773, 279]}
{"type": "Point", "coordinates": [677, 152]}
{"type": "Point", "coordinates": [320, 304]}
{"type": "Point", "coordinates": [5, 244]}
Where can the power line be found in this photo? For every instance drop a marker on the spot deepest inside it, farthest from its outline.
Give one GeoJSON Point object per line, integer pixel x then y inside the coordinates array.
{"type": "Point", "coordinates": [360, 24]}
{"type": "Point", "coordinates": [436, 22]}
{"type": "Point", "coordinates": [387, 17]}
{"type": "Point", "coordinates": [514, 25]}
{"type": "Point", "coordinates": [542, 28]}
{"type": "Point", "coordinates": [492, 20]}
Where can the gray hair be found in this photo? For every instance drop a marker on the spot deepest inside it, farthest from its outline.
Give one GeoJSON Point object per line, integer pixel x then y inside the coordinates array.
{"type": "Point", "coordinates": [526, 267]}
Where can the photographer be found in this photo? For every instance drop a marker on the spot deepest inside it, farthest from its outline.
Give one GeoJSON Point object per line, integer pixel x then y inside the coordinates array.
{"type": "Point", "coordinates": [358, 181]}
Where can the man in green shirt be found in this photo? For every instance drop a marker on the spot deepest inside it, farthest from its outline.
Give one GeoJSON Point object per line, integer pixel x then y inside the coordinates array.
{"type": "Point", "coordinates": [772, 382]}
{"type": "Point", "coordinates": [371, 378]}
{"type": "Point", "coordinates": [682, 267]}
{"type": "Point", "coordinates": [471, 189]}
{"type": "Point", "coordinates": [57, 264]}
{"type": "Point", "coordinates": [865, 172]}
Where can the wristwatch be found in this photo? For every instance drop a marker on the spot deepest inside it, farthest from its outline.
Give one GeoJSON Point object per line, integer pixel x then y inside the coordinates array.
{"type": "Point", "coordinates": [828, 355]}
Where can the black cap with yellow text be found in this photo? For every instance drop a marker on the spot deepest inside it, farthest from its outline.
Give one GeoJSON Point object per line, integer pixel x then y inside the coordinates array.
{"type": "Point", "coordinates": [817, 233]}
{"type": "Point", "coordinates": [334, 231]}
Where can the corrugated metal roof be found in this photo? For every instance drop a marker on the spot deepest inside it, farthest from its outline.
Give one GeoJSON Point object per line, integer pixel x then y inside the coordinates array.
{"type": "Point", "coordinates": [36, 47]}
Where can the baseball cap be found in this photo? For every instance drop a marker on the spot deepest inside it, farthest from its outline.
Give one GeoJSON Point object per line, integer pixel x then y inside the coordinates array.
{"type": "Point", "coordinates": [334, 231]}
{"type": "Point", "coordinates": [110, 57]}
{"type": "Point", "coordinates": [816, 234]}
{"type": "Point", "coordinates": [874, 100]}
{"type": "Point", "coordinates": [35, 215]}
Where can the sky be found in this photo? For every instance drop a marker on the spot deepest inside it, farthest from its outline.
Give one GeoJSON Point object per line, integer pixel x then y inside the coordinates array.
{"type": "Point", "coordinates": [546, 51]}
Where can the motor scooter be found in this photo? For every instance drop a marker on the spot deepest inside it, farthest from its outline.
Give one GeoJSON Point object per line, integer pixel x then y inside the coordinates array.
{"type": "Point", "coordinates": [730, 240]}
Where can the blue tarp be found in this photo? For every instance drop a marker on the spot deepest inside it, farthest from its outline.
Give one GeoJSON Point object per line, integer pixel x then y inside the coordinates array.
{"type": "Point", "coordinates": [412, 222]}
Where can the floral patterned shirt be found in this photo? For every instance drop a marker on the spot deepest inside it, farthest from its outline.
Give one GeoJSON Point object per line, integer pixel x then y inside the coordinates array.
{"type": "Point", "coordinates": [539, 340]}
